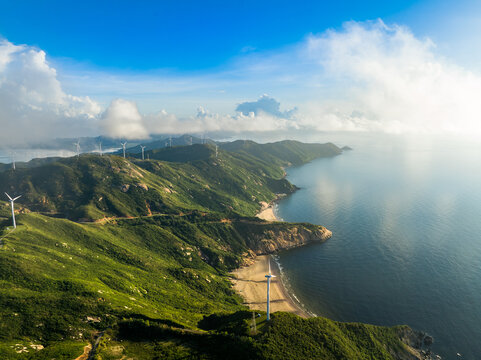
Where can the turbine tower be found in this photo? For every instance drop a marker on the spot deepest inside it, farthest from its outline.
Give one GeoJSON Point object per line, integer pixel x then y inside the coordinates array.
{"type": "Point", "coordinates": [269, 276]}
{"type": "Point", "coordinates": [123, 146]}
{"type": "Point", "coordinates": [143, 147]}
{"type": "Point", "coordinates": [13, 210]}
{"type": "Point", "coordinates": [77, 146]}
{"type": "Point", "coordinates": [13, 160]}
{"type": "Point", "coordinates": [216, 150]}
{"type": "Point", "coordinates": [100, 148]}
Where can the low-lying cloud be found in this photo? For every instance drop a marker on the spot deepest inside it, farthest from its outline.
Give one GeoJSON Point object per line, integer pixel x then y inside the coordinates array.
{"type": "Point", "coordinates": [123, 120]}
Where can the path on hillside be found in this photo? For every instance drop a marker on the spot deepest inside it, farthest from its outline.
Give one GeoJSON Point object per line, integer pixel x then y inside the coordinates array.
{"type": "Point", "coordinates": [86, 353]}
{"type": "Point", "coordinates": [114, 218]}
{"type": "Point", "coordinates": [95, 346]}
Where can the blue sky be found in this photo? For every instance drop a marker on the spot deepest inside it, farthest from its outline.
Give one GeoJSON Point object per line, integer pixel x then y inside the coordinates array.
{"type": "Point", "coordinates": [178, 65]}
{"type": "Point", "coordinates": [198, 35]}
{"type": "Point", "coordinates": [181, 35]}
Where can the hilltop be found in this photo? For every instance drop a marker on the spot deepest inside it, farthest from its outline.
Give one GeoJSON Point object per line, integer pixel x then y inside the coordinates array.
{"type": "Point", "coordinates": [141, 250]}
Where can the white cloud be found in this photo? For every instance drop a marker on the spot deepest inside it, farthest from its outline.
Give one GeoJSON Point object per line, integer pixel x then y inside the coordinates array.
{"type": "Point", "coordinates": [392, 82]}
{"type": "Point", "coordinates": [33, 105]}
{"type": "Point", "coordinates": [205, 121]}
{"type": "Point", "coordinates": [264, 104]}
{"type": "Point", "coordinates": [363, 77]}
{"type": "Point", "coordinates": [123, 120]}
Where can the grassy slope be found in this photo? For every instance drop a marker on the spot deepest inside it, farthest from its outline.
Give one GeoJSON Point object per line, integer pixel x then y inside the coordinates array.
{"type": "Point", "coordinates": [91, 187]}
{"type": "Point", "coordinates": [283, 153]}
{"type": "Point", "coordinates": [287, 336]}
{"type": "Point", "coordinates": [167, 269]}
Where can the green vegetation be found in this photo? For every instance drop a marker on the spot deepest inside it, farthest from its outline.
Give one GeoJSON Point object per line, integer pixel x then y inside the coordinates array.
{"type": "Point", "coordinates": [287, 336]}
{"type": "Point", "coordinates": [92, 187]}
{"type": "Point", "coordinates": [152, 275]}
{"type": "Point", "coordinates": [283, 153]}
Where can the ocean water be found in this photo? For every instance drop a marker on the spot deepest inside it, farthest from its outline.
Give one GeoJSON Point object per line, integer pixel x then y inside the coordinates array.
{"type": "Point", "coordinates": [406, 247]}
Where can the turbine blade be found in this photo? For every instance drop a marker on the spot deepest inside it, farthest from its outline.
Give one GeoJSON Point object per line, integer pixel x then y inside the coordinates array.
{"type": "Point", "coordinates": [18, 197]}
{"type": "Point", "coordinates": [8, 196]}
{"type": "Point", "coordinates": [269, 266]}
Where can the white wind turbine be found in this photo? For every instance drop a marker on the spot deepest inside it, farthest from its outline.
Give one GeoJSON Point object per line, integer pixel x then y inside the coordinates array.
{"type": "Point", "coordinates": [77, 146]}
{"type": "Point", "coordinates": [13, 210]}
{"type": "Point", "coordinates": [123, 146]}
{"type": "Point", "coordinates": [13, 160]}
{"type": "Point", "coordinates": [143, 148]}
{"type": "Point", "coordinates": [269, 276]}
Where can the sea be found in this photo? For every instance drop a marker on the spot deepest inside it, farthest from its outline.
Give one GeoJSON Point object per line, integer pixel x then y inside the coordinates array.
{"type": "Point", "coordinates": [405, 213]}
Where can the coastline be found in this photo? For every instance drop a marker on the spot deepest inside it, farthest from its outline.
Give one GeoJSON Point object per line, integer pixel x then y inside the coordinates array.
{"type": "Point", "coordinates": [250, 282]}
{"type": "Point", "coordinates": [267, 211]}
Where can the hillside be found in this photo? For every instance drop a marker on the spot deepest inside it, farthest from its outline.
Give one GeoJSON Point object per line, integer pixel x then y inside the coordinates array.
{"type": "Point", "coordinates": [92, 187]}
{"type": "Point", "coordinates": [148, 276]}
{"type": "Point", "coordinates": [61, 281]}
{"type": "Point", "coordinates": [165, 142]}
{"type": "Point", "coordinates": [283, 153]}
{"type": "Point", "coordinates": [29, 164]}
{"type": "Point", "coordinates": [286, 337]}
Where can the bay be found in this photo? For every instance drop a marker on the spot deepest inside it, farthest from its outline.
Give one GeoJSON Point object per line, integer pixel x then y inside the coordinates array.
{"type": "Point", "coordinates": [406, 248]}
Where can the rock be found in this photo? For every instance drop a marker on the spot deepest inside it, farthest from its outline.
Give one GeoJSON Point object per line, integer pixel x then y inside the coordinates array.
{"type": "Point", "coordinates": [279, 239]}
{"type": "Point", "coordinates": [93, 319]}
{"type": "Point", "coordinates": [143, 186]}
{"type": "Point", "coordinates": [428, 340]}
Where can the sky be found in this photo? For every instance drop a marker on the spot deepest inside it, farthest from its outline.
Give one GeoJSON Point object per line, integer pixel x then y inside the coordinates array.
{"type": "Point", "coordinates": [127, 70]}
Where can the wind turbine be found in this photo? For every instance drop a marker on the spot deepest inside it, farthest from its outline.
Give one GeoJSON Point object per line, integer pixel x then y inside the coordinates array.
{"type": "Point", "coordinates": [77, 145]}
{"type": "Point", "coordinates": [269, 276]}
{"type": "Point", "coordinates": [100, 148]}
{"type": "Point", "coordinates": [123, 146]}
{"type": "Point", "coordinates": [143, 147]}
{"type": "Point", "coordinates": [13, 160]}
{"type": "Point", "coordinates": [13, 211]}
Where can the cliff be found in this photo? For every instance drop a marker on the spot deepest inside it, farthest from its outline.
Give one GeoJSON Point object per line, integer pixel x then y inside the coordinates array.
{"type": "Point", "coordinates": [283, 238]}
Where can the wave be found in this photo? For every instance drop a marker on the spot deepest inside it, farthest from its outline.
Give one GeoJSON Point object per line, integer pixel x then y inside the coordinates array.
{"type": "Point", "coordinates": [288, 288]}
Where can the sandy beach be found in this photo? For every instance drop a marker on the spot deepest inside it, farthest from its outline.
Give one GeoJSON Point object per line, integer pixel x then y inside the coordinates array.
{"type": "Point", "coordinates": [251, 284]}
{"type": "Point", "coordinates": [267, 212]}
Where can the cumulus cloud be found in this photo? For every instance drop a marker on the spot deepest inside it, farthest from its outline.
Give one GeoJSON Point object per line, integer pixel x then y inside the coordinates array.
{"type": "Point", "coordinates": [33, 105]}
{"type": "Point", "coordinates": [123, 120]}
{"type": "Point", "coordinates": [392, 82]}
{"type": "Point", "coordinates": [264, 104]}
